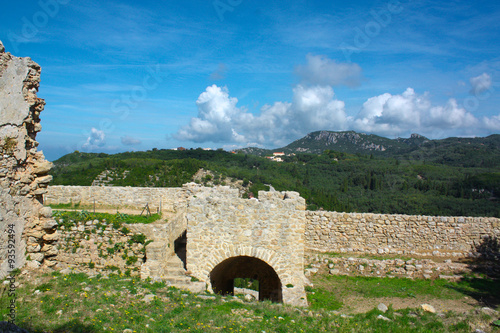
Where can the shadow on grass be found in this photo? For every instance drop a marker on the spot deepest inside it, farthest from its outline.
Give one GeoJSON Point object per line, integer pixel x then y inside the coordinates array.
{"type": "Point", "coordinates": [485, 288]}
{"type": "Point", "coordinates": [73, 326]}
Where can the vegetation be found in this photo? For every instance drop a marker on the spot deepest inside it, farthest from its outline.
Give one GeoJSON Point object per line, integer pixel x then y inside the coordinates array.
{"type": "Point", "coordinates": [115, 303]}
{"type": "Point", "coordinates": [68, 218]}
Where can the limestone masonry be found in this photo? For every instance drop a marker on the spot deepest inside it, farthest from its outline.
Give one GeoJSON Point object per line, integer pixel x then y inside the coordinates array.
{"type": "Point", "coordinates": [25, 225]}
{"type": "Point", "coordinates": [324, 231]}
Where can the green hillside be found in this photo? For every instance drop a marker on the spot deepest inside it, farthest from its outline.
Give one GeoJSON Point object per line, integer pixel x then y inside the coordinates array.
{"type": "Point", "coordinates": [444, 179]}
{"type": "Point", "coordinates": [451, 151]}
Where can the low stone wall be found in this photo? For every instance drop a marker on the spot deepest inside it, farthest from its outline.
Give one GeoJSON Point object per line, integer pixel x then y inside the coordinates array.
{"type": "Point", "coordinates": [398, 234]}
{"type": "Point", "coordinates": [409, 268]}
{"type": "Point", "coordinates": [120, 197]}
{"type": "Point", "coordinates": [98, 246]}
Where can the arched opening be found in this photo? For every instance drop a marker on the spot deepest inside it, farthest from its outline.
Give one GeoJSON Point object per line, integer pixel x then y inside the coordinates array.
{"type": "Point", "coordinates": [223, 275]}
{"type": "Point", "coordinates": [180, 247]}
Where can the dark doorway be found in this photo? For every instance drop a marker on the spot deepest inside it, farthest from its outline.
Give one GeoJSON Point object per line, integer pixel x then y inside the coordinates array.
{"type": "Point", "coordinates": [223, 275]}
{"type": "Point", "coordinates": [180, 247]}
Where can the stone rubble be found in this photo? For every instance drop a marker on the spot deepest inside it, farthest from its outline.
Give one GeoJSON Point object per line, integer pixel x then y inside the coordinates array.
{"type": "Point", "coordinates": [410, 268]}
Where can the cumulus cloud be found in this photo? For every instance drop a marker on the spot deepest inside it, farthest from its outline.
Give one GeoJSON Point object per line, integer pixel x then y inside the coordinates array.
{"type": "Point", "coordinates": [480, 84]}
{"type": "Point", "coordinates": [221, 120]}
{"type": "Point", "coordinates": [95, 140]}
{"type": "Point", "coordinates": [320, 70]}
{"type": "Point", "coordinates": [130, 141]}
{"type": "Point", "coordinates": [410, 112]}
{"type": "Point", "coordinates": [492, 124]}
{"type": "Point", "coordinates": [314, 108]}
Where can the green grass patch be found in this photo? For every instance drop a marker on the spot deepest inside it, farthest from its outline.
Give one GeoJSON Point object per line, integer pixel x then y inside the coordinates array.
{"type": "Point", "coordinates": [69, 218]}
{"type": "Point", "coordinates": [373, 287]}
{"type": "Point", "coordinates": [79, 303]}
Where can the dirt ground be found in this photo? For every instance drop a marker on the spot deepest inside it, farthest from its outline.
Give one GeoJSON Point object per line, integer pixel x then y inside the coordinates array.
{"type": "Point", "coordinates": [356, 304]}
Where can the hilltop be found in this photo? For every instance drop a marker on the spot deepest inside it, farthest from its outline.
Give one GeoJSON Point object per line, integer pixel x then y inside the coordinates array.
{"type": "Point", "coordinates": [450, 151]}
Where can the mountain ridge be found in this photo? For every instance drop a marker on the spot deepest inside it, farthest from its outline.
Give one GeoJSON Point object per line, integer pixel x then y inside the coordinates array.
{"type": "Point", "coordinates": [449, 150]}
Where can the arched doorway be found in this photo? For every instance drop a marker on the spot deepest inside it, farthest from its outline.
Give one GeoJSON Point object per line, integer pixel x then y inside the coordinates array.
{"type": "Point", "coordinates": [180, 247]}
{"type": "Point", "coordinates": [223, 275]}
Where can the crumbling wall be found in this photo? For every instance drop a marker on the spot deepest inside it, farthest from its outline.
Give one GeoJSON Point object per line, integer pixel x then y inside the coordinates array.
{"type": "Point", "coordinates": [26, 229]}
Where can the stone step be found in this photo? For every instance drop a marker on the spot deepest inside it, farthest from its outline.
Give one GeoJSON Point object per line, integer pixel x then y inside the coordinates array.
{"type": "Point", "coordinates": [175, 261]}
{"type": "Point", "coordinates": [171, 271]}
{"type": "Point", "coordinates": [175, 279]}
{"type": "Point", "coordinates": [195, 287]}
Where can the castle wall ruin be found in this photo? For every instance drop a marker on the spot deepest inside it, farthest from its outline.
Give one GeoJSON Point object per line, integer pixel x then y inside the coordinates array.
{"type": "Point", "coordinates": [329, 231]}
{"type": "Point", "coordinates": [25, 225]}
{"type": "Point", "coordinates": [229, 237]}
{"type": "Point", "coordinates": [399, 234]}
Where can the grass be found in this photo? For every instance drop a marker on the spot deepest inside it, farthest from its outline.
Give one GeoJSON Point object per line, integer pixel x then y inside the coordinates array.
{"type": "Point", "coordinates": [394, 287]}
{"type": "Point", "coordinates": [78, 303]}
{"type": "Point", "coordinates": [70, 217]}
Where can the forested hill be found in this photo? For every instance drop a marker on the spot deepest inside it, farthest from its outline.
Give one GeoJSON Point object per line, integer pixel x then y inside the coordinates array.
{"type": "Point", "coordinates": [451, 151]}
{"type": "Point", "coordinates": [420, 183]}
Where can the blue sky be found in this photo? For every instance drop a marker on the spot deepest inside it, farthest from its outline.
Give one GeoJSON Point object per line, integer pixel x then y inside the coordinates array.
{"type": "Point", "coordinates": [129, 75]}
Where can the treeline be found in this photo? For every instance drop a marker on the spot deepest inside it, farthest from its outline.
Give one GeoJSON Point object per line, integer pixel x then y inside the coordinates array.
{"type": "Point", "coordinates": [333, 181]}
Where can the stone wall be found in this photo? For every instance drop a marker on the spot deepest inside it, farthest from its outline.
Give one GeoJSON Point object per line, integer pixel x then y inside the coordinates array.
{"type": "Point", "coordinates": [25, 226]}
{"type": "Point", "coordinates": [398, 234]}
{"type": "Point", "coordinates": [92, 246]}
{"type": "Point", "coordinates": [409, 268]}
{"type": "Point", "coordinates": [324, 231]}
{"type": "Point", "coordinates": [117, 197]}
{"type": "Point", "coordinates": [222, 226]}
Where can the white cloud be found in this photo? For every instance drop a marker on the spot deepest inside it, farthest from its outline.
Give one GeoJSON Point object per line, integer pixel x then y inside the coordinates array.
{"type": "Point", "coordinates": [315, 108]}
{"type": "Point", "coordinates": [220, 120]}
{"type": "Point", "coordinates": [480, 84]}
{"type": "Point", "coordinates": [410, 112]}
{"type": "Point", "coordinates": [492, 124]}
{"type": "Point", "coordinates": [130, 141]}
{"type": "Point", "coordinates": [95, 140]}
{"type": "Point", "coordinates": [320, 70]}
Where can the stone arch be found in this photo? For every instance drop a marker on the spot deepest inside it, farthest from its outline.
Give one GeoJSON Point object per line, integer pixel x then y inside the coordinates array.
{"type": "Point", "coordinates": [222, 277]}
{"type": "Point", "coordinates": [224, 252]}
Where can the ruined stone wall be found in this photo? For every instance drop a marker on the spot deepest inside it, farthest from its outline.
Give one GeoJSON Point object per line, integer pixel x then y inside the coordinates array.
{"type": "Point", "coordinates": [324, 231]}
{"type": "Point", "coordinates": [117, 197]}
{"type": "Point", "coordinates": [398, 234]}
{"type": "Point", "coordinates": [223, 226]}
{"type": "Point", "coordinates": [25, 226]}
{"type": "Point", "coordinates": [91, 246]}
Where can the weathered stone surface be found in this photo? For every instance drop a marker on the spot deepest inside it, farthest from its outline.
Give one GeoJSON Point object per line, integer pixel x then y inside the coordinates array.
{"type": "Point", "coordinates": [42, 167]}
{"type": "Point", "coordinates": [19, 121]}
{"type": "Point", "coordinates": [50, 224]}
{"type": "Point", "coordinates": [222, 228]}
{"type": "Point", "coordinates": [397, 234]}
